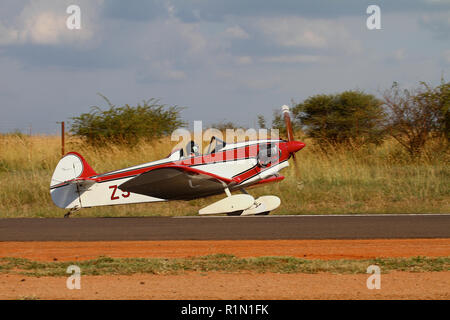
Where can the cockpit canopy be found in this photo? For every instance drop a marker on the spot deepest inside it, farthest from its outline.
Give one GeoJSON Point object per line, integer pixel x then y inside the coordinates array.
{"type": "Point", "coordinates": [215, 145]}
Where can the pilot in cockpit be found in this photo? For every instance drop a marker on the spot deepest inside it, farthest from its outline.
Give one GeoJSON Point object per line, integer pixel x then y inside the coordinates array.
{"type": "Point", "coordinates": [192, 149]}
{"type": "Point", "coordinates": [216, 144]}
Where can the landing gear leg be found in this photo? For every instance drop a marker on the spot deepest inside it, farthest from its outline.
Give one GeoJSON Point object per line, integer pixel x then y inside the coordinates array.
{"type": "Point", "coordinates": [67, 215]}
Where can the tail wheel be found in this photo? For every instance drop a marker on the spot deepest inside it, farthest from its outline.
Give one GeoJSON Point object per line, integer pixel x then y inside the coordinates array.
{"type": "Point", "coordinates": [235, 213]}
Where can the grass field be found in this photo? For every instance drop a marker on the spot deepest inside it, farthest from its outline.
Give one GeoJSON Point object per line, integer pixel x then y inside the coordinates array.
{"type": "Point", "coordinates": [380, 179]}
{"type": "Point", "coordinates": [222, 263]}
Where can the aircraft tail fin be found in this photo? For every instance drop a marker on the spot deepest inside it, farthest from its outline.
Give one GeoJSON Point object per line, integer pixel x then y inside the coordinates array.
{"type": "Point", "coordinates": [71, 166]}
{"type": "Point", "coordinates": [71, 172]}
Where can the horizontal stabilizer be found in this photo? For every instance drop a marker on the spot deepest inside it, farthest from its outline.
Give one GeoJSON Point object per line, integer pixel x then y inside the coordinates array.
{"type": "Point", "coordinates": [82, 183]}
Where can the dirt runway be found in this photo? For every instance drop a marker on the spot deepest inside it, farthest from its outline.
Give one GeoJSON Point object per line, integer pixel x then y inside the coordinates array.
{"type": "Point", "coordinates": [220, 285]}
{"type": "Point", "coordinates": [235, 286]}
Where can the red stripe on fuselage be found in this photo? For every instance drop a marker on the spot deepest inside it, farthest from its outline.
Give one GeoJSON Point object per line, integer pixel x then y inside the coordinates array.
{"type": "Point", "coordinates": [245, 152]}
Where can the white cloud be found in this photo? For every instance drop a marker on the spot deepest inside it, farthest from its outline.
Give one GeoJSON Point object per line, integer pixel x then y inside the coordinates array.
{"type": "Point", "coordinates": [293, 59]}
{"type": "Point", "coordinates": [44, 28]}
{"type": "Point", "coordinates": [261, 83]}
{"type": "Point", "coordinates": [244, 60]}
{"type": "Point", "coordinates": [8, 35]}
{"type": "Point", "coordinates": [44, 22]}
{"type": "Point", "coordinates": [437, 23]}
{"type": "Point", "coordinates": [399, 54]}
{"type": "Point", "coordinates": [193, 39]}
{"type": "Point", "coordinates": [293, 32]}
{"type": "Point", "coordinates": [437, 1]}
{"type": "Point", "coordinates": [162, 70]}
{"type": "Point", "coordinates": [308, 33]}
{"type": "Point", "coordinates": [236, 32]}
{"type": "Point", "coordinates": [173, 50]}
{"type": "Point", "coordinates": [446, 55]}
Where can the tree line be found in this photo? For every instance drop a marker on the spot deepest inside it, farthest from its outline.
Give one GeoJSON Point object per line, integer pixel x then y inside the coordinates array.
{"type": "Point", "coordinates": [127, 124]}
{"type": "Point", "coordinates": [412, 117]}
{"type": "Point", "coordinates": [352, 118]}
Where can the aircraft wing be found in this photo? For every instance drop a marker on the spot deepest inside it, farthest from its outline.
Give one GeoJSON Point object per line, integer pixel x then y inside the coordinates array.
{"type": "Point", "coordinates": [176, 183]}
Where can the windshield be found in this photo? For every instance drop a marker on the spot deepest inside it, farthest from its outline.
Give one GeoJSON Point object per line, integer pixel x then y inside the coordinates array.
{"type": "Point", "coordinates": [215, 145]}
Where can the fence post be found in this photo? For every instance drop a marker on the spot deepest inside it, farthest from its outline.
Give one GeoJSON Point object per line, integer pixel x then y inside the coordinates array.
{"type": "Point", "coordinates": [62, 138]}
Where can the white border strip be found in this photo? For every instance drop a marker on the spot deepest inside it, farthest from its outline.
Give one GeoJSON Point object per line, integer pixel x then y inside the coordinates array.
{"type": "Point", "coordinates": [325, 215]}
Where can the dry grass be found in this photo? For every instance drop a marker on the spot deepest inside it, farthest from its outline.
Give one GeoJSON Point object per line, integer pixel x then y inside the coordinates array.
{"type": "Point", "coordinates": [374, 180]}
{"type": "Point", "coordinates": [220, 263]}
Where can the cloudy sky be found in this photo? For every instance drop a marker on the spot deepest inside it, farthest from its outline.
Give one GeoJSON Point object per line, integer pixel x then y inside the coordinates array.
{"type": "Point", "coordinates": [222, 60]}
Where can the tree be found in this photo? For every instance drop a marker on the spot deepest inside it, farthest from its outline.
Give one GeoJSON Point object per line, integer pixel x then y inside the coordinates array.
{"type": "Point", "coordinates": [351, 117]}
{"type": "Point", "coordinates": [261, 121]}
{"type": "Point", "coordinates": [416, 116]}
{"type": "Point", "coordinates": [278, 122]}
{"type": "Point", "coordinates": [439, 98]}
{"type": "Point", "coordinates": [224, 125]}
{"type": "Point", "coordinates": [127, 124]}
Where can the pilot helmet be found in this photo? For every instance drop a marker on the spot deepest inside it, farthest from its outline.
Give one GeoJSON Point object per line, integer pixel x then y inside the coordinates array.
{"type": "Point", "coordinates": [193, 148]}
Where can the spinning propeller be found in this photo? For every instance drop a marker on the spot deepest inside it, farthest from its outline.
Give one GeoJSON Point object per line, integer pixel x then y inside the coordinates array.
{"type": "Point", "coordinates": [293, 146]}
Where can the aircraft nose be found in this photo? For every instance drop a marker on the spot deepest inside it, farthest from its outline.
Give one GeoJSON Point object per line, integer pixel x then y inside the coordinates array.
{"type": "Point", "coordinates": [294, 146]}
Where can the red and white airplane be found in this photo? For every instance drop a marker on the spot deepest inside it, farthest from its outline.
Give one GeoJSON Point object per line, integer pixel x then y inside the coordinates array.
{"type": "Point", "coordinates": [182, 176]}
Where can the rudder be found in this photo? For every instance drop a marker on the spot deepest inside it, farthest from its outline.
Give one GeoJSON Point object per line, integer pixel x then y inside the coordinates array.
{"type": "Point", "coordinates": [71, 166]}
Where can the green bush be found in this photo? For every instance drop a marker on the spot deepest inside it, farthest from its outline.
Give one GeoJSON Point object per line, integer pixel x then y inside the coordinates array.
{"type": "Point", "coordinates": [127, 124]}
{"type": "Point", "coordinates": [416, 117]}
{"type": "Point", "coordinates": [351, 117]}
